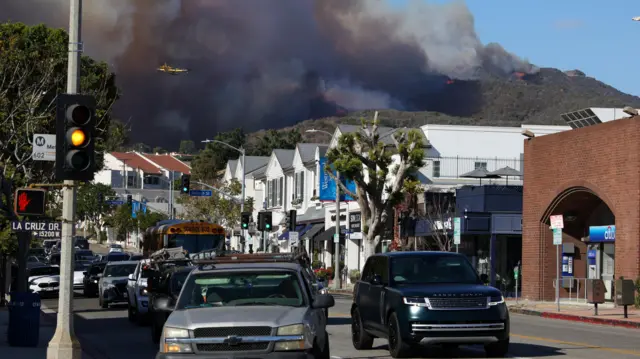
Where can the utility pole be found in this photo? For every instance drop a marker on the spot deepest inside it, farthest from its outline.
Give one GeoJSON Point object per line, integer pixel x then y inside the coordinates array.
{"type": "Point", "coordinates": [171, 180]}
{"type": "Point", "coordinates": [336, 239]}
{"type": "Point", "coordinates": [65, 344]}
{"type": "Point", "coordinates": [243, 237]}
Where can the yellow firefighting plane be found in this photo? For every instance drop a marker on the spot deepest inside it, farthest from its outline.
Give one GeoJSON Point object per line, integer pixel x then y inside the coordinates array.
{"type": "Point", "coordinates": [172, 70]}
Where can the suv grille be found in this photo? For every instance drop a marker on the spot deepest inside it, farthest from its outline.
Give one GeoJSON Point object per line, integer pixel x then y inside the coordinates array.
{"type": "Point", "coordinates": [232, 348]}
{"type": "Point", "coordinates": [213, 332]}
{"type": "Point", "coordinates": [458, 303]}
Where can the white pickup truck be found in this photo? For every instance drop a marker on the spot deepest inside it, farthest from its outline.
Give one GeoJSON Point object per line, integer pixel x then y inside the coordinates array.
{"type": "Point", "coordinates": [138, 295]}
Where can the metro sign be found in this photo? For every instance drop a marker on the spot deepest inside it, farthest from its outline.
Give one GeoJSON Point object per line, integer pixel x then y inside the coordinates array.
{"type": "Point", "coordinates": [30, 202]}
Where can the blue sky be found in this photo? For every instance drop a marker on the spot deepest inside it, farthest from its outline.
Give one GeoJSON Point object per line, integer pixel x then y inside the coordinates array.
{"type": "Point", "coordinates": [595, 36]}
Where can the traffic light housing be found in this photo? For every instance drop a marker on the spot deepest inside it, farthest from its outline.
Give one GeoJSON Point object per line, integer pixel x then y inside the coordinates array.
{"type": "Point", "coordinates": [185, 184]}
{"type": "Point", "coordinates": [30, 202]}
{"type": "Point", "coordinates": [246, 219]}
{"type": "Point", "coordinates": [129, 200]}
{"type": "Point", "coordinates": [75, 142]}
{"type": "Point", "coordinates": [264, 221]}
{"type": "Point", "coordinates": [291, 220]}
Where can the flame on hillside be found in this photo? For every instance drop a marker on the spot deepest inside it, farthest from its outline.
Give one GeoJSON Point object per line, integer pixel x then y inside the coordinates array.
{"type": "Point", "coordinates": [519, 75]}
{"type": "Point", "coordinates": [450, 82]}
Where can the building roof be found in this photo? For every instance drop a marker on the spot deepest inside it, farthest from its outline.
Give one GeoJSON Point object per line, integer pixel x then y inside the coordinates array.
{"type": "Point", "coordinates": [136, 161]}
{"type": "Point", "coordinates": [169, 162]}
{"type": "Point", "coordinates": [253, 163]}
{"type": "Point", "coordinates": [385, 133]}
{"type": "Point", "coordinates": [285, 158]}
{"type": "Point", "coordinates": [308, 151]}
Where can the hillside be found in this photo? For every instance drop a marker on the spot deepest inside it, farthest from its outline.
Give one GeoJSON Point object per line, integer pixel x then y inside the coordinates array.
{"type": "Point", "coordinates": [491, 101]}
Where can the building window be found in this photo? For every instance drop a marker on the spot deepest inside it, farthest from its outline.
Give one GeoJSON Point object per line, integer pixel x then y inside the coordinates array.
{"type": "Point", "coordinates": [479, 165]}
{"type": "Point", "coordinates": [152, 180]}
{"type": "Point", "coordinates": [298, 186]}
{"type": "Point", "coordinates": [275, 192]}
{"type": "Point", "coordinates": [436, 169]}
{"type": "Point", "coordinates": [131, 180]}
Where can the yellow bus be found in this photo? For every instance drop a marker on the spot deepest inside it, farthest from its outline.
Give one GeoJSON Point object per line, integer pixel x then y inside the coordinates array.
{"type": "Point", "coordinates": [192, 236]}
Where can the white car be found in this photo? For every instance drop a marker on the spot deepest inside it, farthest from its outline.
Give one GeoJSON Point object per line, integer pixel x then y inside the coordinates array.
{"type": "Point", "coordinates": [138, 295]}
{"type": "Point", "coordinates": [44, 280]}
{"type": "Point", "coordinates": [78, 274]}
{"type": "Point", "coordinates": [115, 248]}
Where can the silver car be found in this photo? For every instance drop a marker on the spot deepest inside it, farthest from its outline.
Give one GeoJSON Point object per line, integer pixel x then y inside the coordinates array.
{"type": "Point", "coordinates": [112, 287]}
{"type": "Point", "coordinates": [234, 310]}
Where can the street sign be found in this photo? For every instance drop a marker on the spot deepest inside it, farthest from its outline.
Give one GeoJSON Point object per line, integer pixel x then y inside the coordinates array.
{"type": "Point", "coordinates": [293, 236]}
{"type": "Point", "coordinates": [557, 221]}
{"type": "Point", "coordinates": [456, 230]}
{"type": "Point", "coordinates": [115, 202]}
{"type": "Point", "coordinates": [200, 193]}
{"type": "Point", "coordinates": [39, 229]}
{"type": "Point", "coordinates": [557, 236]}
{"type": "Point", "coordinates": [44, 147]}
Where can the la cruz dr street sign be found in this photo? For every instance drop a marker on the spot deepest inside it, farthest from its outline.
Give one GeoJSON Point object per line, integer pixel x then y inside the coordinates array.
{"type": "Point", "coordinates": [39, 229]}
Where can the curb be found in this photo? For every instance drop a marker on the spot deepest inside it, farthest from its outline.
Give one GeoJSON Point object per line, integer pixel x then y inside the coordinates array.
{"type": "Point", "coordinates": [577, 318]}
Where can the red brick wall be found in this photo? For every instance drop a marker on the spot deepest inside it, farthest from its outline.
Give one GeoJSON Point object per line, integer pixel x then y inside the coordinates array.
{"type": "Point", "coordinates": [605, 159]}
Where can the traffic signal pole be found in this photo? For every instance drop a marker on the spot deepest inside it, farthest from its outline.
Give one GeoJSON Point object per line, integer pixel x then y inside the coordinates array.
{"type": "Point", "coordinates": [65, 344]}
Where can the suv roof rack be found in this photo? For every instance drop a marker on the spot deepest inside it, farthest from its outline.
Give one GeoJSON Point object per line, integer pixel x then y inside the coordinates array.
{"type": "Point", "coordinates": [169, 254]}
{"type": "Point", "coordinates": [212, 253]}
{"type": "Point", "coordinates": [300, 256]}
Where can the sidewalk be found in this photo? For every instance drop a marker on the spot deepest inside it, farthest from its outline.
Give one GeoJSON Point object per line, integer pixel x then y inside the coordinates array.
{"type": "Point", "coordinates": [47, 328]}
{"type": "Point", "coordinates": [607, 314]}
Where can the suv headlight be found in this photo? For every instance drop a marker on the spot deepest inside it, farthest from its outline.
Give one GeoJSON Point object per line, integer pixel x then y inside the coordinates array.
{"type": "Point", "coordinates": [416, 301]}
{"type": "Point", "coordinates": [169, 346]}
{"type": "Point", "coordinates": [291, 330]}
{"type": "Point", "coordinates": [496, 300]}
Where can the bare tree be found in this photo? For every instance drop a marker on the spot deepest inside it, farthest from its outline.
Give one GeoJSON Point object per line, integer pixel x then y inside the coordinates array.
{"type": "Point", "coordinates": [439, 211]}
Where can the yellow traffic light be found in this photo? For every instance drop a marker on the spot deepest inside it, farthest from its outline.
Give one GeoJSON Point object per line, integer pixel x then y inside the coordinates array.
{"type": "Point", "coordinates": [78, 137]}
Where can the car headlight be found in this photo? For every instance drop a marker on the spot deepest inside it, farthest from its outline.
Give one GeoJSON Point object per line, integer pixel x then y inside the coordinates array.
{"type": "Point", "coordinates": [290, 330]}
{"type": "Point", "coordinates": [416, 301]}
{"type": "Point", "coordinates": [170, 346]}
{"type": "Point", "coordinates": [33, 282]}
{"type": "Point", "coordinates": [496, 300]}
{"type": "Point", "coordinates": [143, 291]}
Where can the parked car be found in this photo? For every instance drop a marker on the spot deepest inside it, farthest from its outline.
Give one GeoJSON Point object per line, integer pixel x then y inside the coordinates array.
{"type": "Point", "coordinates": [91, 277]}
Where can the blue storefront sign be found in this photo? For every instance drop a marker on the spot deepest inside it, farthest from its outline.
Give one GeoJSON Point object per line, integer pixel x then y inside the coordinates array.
{"type": "Point", "coordinates": [602, 233]}
{"type": "Point", "coordinates": [327, 185]}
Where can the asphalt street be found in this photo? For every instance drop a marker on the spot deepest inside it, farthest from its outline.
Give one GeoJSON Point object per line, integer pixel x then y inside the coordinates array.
{"type": "Point", "coordinates": [108, 334]}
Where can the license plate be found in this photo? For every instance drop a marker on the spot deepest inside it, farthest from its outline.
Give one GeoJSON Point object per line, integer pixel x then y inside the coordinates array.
{"type": "Point", "coordinates": [48, 289]}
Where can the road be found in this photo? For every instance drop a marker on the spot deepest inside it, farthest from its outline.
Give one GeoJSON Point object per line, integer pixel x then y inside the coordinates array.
{"type": "Point", "coordinates": [111, 335]}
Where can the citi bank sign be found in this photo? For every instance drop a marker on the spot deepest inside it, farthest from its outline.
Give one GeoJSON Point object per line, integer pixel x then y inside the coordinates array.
{"type": "Point", "coordinates": [602, 233]}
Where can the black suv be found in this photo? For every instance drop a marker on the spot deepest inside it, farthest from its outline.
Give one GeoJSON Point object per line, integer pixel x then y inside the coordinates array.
{"type": "Point", "coordinates": [166, 285]}
{"type": "Point", "coordinates": [423, 298]}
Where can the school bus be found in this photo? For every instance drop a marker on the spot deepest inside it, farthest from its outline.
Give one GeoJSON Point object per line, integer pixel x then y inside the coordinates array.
{"type": "Point", "coordinates": [192, 236]}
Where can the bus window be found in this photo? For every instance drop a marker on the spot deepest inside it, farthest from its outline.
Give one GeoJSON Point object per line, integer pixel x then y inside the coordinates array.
{"type": "Point", "coordinates": [196, 243]}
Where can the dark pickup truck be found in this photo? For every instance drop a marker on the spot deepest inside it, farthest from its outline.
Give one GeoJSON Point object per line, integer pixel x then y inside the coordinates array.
{"type": "Point", "coordinates": [423, 298]}
{"type": "Point", "coordinates": [165, 285]}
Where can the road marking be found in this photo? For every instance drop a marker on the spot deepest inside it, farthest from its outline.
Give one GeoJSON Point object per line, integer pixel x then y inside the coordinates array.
{"type": "Point", "coordinates": [588, 346]}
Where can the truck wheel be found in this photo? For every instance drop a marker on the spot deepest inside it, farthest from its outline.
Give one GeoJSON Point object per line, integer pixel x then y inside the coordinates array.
{"type": "Point", "coordinates": [359, 337]}
{"type": "Point", "coordinates": [322, 351]}
{"type": "Point", "coordinates": [398, 348]}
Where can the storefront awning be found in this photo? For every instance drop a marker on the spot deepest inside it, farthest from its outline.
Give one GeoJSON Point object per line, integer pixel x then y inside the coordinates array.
{"type": "Point", "coordinates": [313, 231]}
{"type": "Point", "coordinates": [327, 235]}
{"type": "Point", "coordinates": [285, 236]}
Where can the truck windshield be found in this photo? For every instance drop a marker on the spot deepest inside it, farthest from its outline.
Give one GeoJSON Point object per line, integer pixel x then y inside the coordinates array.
{"type": "Point", "coordinates": [231, 289]}
{"type": "Point", "coordinates": [433, 269]}
{"type": "Point", "coordinates": [195, 243]}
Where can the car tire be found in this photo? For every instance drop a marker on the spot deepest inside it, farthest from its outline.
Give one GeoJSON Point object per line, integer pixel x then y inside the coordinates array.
{"type": "Point", "coordinates": [130, 314]}
{"type": "Point", "coordinates": [322, 351]}
{"type": "Point", "coordinates": [498, 349]}
{"type": "Point", "coordinates": [104, 304]}
{"type": "Point", "coordinates": [398, 348]}
{"type": "Point", "coordinates": [359, 337]}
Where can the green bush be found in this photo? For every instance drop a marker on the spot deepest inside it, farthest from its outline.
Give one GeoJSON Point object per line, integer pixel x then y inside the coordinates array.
{"type": "Point", "coordinates": [354, 275]}
{"type": "Point", "coordinates": [638, 293]}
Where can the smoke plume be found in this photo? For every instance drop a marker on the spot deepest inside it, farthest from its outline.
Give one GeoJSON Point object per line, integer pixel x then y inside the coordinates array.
{"type": "Point", "coordinates": [265, 64]}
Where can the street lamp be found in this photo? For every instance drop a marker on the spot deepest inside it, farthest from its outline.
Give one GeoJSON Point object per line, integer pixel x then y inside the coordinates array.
{"type": "Point", "coordinates": [336, 239]}
{"type": "Point", "coordinates": [244, 171]}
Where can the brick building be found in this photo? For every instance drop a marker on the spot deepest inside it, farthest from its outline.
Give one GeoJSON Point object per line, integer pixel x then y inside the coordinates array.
{"type": "Point", "coordinates": [591, 176]}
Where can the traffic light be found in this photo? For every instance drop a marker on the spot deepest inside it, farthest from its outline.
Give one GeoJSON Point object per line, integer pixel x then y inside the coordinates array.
{"type": "Point", "coordinates": [246, 218]}
{"type": "Point", "coordinates": [30, 202]}
{"type": "Point", "coordinates": [186, 183]}
{"type": "Point", "coordinates": [264, 221]}
{"type": "Point", "coordinates": [75, 143]}
{"type": "Point", "coordinates": [129, 200]}
{"type": "Point", "coordinates": [291, 220]}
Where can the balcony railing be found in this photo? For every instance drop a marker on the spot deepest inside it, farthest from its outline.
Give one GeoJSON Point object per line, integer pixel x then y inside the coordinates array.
{"type": "Point", "coordinates": [454, 167]}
